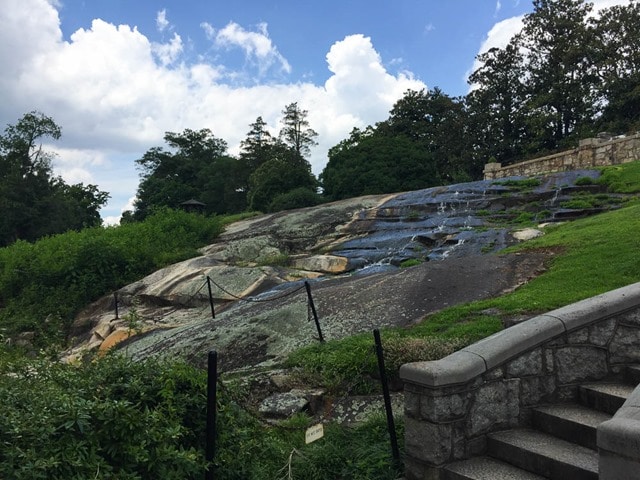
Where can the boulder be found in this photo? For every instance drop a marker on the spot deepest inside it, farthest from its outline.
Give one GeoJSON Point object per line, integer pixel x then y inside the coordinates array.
{"type": "Point", "coordinates": [526, 234]}
{"type": "Point", "coordinates": [331, 264]}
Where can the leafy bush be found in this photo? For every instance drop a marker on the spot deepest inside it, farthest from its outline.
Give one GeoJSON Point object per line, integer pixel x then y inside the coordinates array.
{"type": "Point", "coordinates": [581, 181]}
{"type": "Point", "coordinates": [108, 419]}
{"type": "Point", "coordinates": [297, 198]}
{"type": "Point", "coordinates": [43, 284]}
{"type": "Point", "coordinates": [118, 419]}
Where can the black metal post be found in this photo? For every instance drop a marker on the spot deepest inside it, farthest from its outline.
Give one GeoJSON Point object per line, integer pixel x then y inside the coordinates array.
{"type": "Point", "coordinates": [115, 299]}
{"type": "Point", "coordinates": [387, 399]}
{"type": "Point", "coordinates": [213, 312]}
{"type": "Point", "coordinates": [212, 378]}
{"type": "Point", "coordinates": [313, 310]}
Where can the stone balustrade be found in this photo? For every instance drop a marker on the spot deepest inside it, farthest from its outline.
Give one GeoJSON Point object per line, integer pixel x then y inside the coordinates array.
{"type": "Point", "coordinates": [453, 403]}
{"type": "Point", "coordinates": [592, 152]}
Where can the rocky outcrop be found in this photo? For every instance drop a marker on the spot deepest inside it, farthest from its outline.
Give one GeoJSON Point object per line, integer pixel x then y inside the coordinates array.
{"type": "Point", "coordinates": [350, 251]}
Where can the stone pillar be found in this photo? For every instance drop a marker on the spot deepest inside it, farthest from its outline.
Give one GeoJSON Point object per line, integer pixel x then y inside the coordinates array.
{"type": "Point", "coordinates": [492, 170]}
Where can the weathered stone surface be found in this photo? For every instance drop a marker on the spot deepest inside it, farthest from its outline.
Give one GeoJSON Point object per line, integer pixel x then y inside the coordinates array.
{"type": "Point", "coordinates": [578, 364]}
{"type": "Point", "coordinates": [536, 390]}
{"type": "Point", "coordinates": [427, 441]}
{"type": "Point", "coordinates": [624, 345]}
{"type": "Point", "coordinates": [527, 364]}
{"type": "Point", "coordinates": [600, 334]}
{"type": "Point", "coordinates": [332, 264]}
{"type": "Point", "coordinates": [579, 336]}
{"type": "Point", "coordinates": [443, 408]}
{"type": "Point", "coordinates": [631, 318]}
{"type": "Point", "coordinates": [283, 405]}
{"type": "Point", "coordinates": [496, 404]}
{"type": "Point", "coordinates": [356, 409]}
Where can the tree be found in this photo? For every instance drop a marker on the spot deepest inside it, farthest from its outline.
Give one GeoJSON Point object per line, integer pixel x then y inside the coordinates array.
{"type": "Point", "coordinates": [437, 123]}
{"type": "Point", "coordinates": [34, 202]}
{"type": "Point", "coordinates": [256, 148]}
{"type": "Point", "coordinates": [617, 60]}
{"type": "Point", "coordinates": [296, 132]}
{"type": "Point", "coordinates": [497, 106]}
{"type": "Point", "coordinates": [196, 167]}
{"type": "Point", "coordinates": [281, 174]}
{"type": "Point", "coordinates": [557, 45]}
{"type": "Point", "coordinates": [371, 162]}
{"type": "Point", "coordinates": [283, 166]}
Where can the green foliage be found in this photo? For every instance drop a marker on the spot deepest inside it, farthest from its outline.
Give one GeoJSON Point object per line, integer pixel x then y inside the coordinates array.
{"type": "Point", "coordinates": [108, 419]}
{"type": "Point", "coordinates": [622, 178]}
{"type": "Point", "coordinates": [340, 365]}
{"type": "Point", "coordinates": [42, 285]}
{"type": "Point", "coordinates": [33, 202]}
{"type": "Point", "coordinates": [411, 262]}
{"type": "Point", "coordinates": [520, 184]}
{"type": "Point", "coordinates": [296, 198]}
{"type": "Point", "coordinates": [274, 179]}
{"type": "Point", "coordinates": [582, 181]}
{"type": "Point", "coordinates": [371, 162]}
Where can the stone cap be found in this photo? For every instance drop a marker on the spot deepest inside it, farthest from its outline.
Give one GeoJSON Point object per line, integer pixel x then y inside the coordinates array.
{"type": "Point", "coordinates": [474, 360]}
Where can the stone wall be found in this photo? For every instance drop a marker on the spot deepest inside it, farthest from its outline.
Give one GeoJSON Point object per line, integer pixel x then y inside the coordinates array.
{"type": "Point", "coordinates": [453, 403]}
{"type": "Point", "coordinates": [592, 152]}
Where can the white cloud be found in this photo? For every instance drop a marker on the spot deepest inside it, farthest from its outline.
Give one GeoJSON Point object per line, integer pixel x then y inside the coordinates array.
{"type": "Point", "coordinates": [168, 53]}
{"type": "Point", "coordinates": [257, 46]}
{"type": "Point", "coordinates": [161, 20]}
{"type": "Point", "coordinates": [498, 8]}
{"type": "Point", "coordinates": [115, 93]}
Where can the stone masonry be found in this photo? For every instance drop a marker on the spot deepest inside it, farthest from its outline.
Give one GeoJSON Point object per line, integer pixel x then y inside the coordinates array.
{"type": "Point", "coordinates": [592, 152]}
{"type": "Point", "coordinates": [453, 403]}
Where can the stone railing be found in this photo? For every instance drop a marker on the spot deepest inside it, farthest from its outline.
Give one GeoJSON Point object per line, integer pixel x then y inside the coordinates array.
{"type": "Point", "coordinates": [453, 403]}
{"type": "Point", "coordinates": [592, 152]}
{"type": "Point", "coordinates": [619, 442]}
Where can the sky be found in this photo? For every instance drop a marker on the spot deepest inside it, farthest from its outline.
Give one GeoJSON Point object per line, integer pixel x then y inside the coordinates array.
{"type": "Point", "coordinates": [116, 75]}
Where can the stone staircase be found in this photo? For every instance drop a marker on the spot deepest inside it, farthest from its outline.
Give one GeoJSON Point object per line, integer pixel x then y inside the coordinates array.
{"type": "Point", "coordinates": [560, 444]}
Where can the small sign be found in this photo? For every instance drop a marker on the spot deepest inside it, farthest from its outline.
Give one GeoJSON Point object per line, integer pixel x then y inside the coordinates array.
{"type": "Point", "coordinates": [314, 433]}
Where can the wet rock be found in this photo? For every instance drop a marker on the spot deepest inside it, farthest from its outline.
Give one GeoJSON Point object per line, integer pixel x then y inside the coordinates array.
{"type": "Point", "coordinates": [257, 265]}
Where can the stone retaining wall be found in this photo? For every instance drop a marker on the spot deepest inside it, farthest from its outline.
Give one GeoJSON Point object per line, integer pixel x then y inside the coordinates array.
{"type": "Point", "coordinates": [453, 403]}
{"type": "Point", "coordinates": [592, 152]}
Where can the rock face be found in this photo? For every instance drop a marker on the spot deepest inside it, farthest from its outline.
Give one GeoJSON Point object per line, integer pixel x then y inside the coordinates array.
{"type": "Point", "coordinates": [350, 252]}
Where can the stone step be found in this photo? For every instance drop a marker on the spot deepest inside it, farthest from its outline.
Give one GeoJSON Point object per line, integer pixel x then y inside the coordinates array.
{"type": "Point", "coordinates": [486, 468]}
{"type": "Point", "coordinates": [544, 454]}
{"type": "Point", "coordinates": [606, 397]}
{"type": "Point", "coordinates": [571, 422]}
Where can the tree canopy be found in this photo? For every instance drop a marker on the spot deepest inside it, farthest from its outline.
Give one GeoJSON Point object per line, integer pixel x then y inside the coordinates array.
{"type": "Point", "coordinates": [196, 166]}
{"type": "Point", "coordinates": [33, 201]}
{"type": "Point", "coordinates": [567, 75]}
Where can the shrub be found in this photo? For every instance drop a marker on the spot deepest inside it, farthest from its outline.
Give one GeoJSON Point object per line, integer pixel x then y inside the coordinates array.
{"type": "Point", "coordinates": [108, 419]}
{"type": "Point", "coordinates": [297, 198]}
{"type": "Point", "coordinates": [580, 181]}
{"type": "Point", "coordinates": [43, 284]}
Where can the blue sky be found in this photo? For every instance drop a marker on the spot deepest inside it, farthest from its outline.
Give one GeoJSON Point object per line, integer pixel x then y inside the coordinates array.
{"type": "Point", "coordinates": [117, 74]}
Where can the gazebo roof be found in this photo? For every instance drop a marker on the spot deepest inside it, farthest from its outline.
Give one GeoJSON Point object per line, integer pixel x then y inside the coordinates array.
{"type": "Point", "coordinates": [194, 203]}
